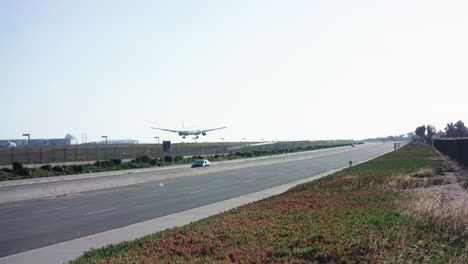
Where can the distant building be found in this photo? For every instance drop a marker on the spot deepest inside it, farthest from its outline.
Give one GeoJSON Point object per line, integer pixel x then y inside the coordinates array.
{"type": "Point", "coordinates": [35, 142]}
{"type": "Point", "coordinates": [119, 141]}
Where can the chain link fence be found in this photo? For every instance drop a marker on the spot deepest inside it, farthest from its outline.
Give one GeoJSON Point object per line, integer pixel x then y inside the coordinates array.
{"type": "Point", "coordinates": [76, 153]}
{"type": "Point", "coordinates": [456, 148]}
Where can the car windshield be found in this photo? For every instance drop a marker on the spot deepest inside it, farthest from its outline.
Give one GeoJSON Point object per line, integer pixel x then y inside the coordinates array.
{"type": "Point", "coordinates": [199, 161]}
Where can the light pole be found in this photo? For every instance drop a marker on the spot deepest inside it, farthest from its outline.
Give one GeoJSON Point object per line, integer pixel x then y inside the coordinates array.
{"type": "Point", "coordinates": [155, 151]}
{"type": "Point", "coordinates": [29, 141]}
{"type": "Point", "coordinates": [106, 145]}
{"type": "Point", "coordinates": [224, 146]}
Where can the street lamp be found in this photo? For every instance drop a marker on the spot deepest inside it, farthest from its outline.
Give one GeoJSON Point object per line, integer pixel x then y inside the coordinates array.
{"type": "Point", "coordinates": [155, 154]}
{"type": "Point", "coordinates": [29, 141]}
{"type": "Point", "coordinates": [224, 146]}
{"type": "Point", "coordinates": [106, 145]}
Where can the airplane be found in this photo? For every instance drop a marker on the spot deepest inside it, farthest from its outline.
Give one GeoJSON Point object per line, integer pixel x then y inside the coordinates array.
{"type": "Point", "coordinates": [185, 133]}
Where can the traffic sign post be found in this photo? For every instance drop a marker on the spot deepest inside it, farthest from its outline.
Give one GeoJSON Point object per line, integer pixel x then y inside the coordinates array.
{"type": "Point", "coordinates": [166, 148]}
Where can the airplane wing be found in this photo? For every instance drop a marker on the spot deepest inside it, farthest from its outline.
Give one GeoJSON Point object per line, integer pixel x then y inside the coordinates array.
{"type": "Point", "coordinates": [206, 130]}
{"type": "Point", "coordinates": [170, 130]}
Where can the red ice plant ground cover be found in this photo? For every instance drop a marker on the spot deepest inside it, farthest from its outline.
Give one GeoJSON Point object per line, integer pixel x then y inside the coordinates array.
{"type": "Point", "coordinates": [352, 216]}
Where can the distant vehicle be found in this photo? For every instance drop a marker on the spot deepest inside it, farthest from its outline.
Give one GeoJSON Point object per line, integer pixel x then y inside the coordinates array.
{"type": "Point", "coordinates": [201, 163]}
{"type": "Point", "coordinates": [185, 133]}
{"type": "Point", "coordinates": [353, 145]}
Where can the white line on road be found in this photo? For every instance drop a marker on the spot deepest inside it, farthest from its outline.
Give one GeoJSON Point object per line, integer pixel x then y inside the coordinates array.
{"type": "Point", "coordinates": [198, 191]}
{"type": "Point", "coordinates": [49, 210]}
{"type": "Point", "coordinates": [157, 191]}
{"type": "Point", "coordinates": [102, 211]}
{"type": "Point", "coordinates": [249, 181]}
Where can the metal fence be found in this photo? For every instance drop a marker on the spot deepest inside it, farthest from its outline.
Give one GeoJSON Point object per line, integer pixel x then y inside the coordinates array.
{"type": "Point", "coordinates": [76, 153]}
{"type": "Point", "coordinates": [456, 148]}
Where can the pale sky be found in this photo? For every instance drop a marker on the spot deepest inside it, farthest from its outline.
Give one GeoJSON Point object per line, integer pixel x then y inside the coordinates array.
{"type": "Point", "coordinates": [266, 69]}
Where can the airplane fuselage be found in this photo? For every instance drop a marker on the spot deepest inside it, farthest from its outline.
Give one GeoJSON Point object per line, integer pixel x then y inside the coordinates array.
{"type": "Point", "coordinates": [184, 133]}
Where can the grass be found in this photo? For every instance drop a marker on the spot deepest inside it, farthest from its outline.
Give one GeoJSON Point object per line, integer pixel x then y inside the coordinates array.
{"type": "Point", "coordinates": [18, 172]}
{"type": "Point", "coordinates": [358, 215]}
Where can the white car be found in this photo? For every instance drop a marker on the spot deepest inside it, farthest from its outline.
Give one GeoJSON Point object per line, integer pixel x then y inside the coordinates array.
{"type": "Point", "coordinates": [201, 163]}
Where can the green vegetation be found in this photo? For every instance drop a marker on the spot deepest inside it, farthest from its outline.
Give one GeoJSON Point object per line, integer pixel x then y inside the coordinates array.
{"type": "Point", "coordinates": [19, 172]}
{"type": "Point", "coordinates": [354, 216]}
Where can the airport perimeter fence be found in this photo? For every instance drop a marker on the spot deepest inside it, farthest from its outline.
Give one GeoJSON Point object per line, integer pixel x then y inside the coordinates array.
{"type": "Point", "coordinates": [86, 153]}
{"type": "Point", "coordinates": [456, 148]}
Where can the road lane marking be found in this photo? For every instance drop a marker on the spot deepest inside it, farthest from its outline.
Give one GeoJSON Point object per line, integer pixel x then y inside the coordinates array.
{"type": "Point", "coordinates": [198, 191]}
{"type": "Point", "coordinates": [49, 210]}
{"type": "Point", "coordinates": [249, 181]}
{"type": "Point", "coordinates": [102, 211]}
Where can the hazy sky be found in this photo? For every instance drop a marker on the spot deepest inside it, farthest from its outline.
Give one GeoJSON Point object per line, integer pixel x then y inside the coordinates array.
{"type": "Point", "coordinates": [266, 69]}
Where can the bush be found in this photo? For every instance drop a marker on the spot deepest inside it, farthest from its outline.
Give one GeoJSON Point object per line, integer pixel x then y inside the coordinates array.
{"type": "Point", "coordinates": [168, 158]}
{"type": "Point", "coordinates": [17, 166]}
{"type": "Point", "coordinates": [116, 161]}
{"type": "Point", "coordinates": [98, 163]}
{"type": "Point", "coordinates": [146, 158]}
{"type": "Point", "coordinates": [7, 170]}
{"type": "Point", "coordinates": [24, 172]}
{"type": "Point", "coordinates": [46, 167]}
{"type": "Point", "coordinates": [154, 162]}
{"type": "Point", "coordinates": [178, 158]}
{"type": "Point", "coordinates": [58, 168]}
{"type": "Point", "coordinates": [78, 168]}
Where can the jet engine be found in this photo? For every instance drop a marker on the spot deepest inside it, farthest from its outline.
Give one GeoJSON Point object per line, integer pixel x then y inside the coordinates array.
{"type": "Point", "coordinates": [203, 133]}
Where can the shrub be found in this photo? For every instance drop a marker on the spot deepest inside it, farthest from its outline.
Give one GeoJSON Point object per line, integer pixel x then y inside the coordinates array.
{"type": "Point", "coordinates": [98, 163]}
{"type": "Point", "coordinates": [58, 168]}
{"type": "Point", "coordinates": [146, 158]}
{"type": "Point", "coordinates": [17, 166]}
{"type": "Point", "coordinates": [132, 165]}
{"type": "Point", "coordinates": [178, 158]}
{"type": "Point", "coordinates": [6, 170]}
{"type": "Point", "coordinates": [168, 158]}
{"type": "Point", "coordinates": [116, 161]}
{"type": "Point", "coordinates": [47, 167]}
{"type": "Point", "coordinates": [78, 168]}
{"type": "Point", "coordinates": [24, 172]}
{"type": "Point", "coordinates": [154, 162]}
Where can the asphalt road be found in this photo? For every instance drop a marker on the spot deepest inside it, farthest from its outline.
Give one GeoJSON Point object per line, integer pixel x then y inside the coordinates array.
{"type": "Point", "coordinates": [29, 225]}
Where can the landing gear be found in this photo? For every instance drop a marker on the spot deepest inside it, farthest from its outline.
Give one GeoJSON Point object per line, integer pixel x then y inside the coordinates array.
{"type": "Point", "coordinates": [183, 137]}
